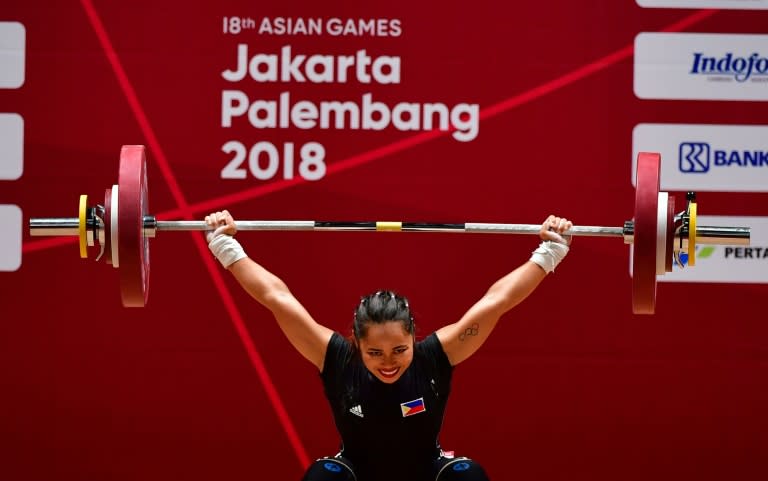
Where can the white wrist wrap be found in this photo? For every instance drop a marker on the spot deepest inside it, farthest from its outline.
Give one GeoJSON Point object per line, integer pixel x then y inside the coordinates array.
{"type": "Point", "coordinates": [226, 249]}
{"type": "Point", "coordinates": [549, 254]}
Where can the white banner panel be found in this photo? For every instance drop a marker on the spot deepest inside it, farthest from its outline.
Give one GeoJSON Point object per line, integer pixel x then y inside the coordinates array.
{"type": "Point", "coordinates": [10, 237]}
{"type": "Point", "coordinates": [697, 66]}
{"type": "Point", "coordinates": [12, 53]}
{"type": "Point", "coordinates": [706, 157]}
{"type": "Point", "coordinates": [11, 146]}
{"type": "Point", "coordinates": [727, 4]}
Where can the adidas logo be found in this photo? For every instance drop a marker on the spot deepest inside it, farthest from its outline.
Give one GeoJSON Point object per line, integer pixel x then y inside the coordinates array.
{"type": "Point", "coordinates": [357, 411]}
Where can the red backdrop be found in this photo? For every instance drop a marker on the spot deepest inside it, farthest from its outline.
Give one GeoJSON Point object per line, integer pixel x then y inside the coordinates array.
{"type": "Point", "coordinates": [201, 384]}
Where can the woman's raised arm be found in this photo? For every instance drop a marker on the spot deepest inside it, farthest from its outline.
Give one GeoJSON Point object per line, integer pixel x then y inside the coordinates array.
{"type": "Point", "coordinates": [461, 339]}
{"type": "Point", "coordinates": [303, 332]}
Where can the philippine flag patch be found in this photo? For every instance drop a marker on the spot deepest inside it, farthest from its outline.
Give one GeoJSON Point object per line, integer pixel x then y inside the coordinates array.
{"type": "Point", "coordinates": [413, 407]}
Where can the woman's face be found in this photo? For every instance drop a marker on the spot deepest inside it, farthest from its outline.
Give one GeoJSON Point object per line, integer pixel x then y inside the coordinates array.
{"type": "Point", "coordinates": [387, 350]}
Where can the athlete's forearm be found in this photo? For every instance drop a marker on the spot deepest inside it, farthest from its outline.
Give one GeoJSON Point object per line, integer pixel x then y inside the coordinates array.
{"type": "Point", "coordinates": [514, 287]}
{"type": "Point", "coordinates": [264, 286]}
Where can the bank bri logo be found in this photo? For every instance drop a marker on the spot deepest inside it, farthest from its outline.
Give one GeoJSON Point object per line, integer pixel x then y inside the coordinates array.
{"type": "Point", "coordinates": [730, 66]}
{"type": "Point", "coordinates": [694, 157]}
{"type": "Point", "coordinates": [707, 157]}
{"type": "Point", "coordinates": [697, 157]}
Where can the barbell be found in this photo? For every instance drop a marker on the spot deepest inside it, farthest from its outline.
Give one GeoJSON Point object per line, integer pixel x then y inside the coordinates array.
{"type": "Point", "coordinates": [122, 227]}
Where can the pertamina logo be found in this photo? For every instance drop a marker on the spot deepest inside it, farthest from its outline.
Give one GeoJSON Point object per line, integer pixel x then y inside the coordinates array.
{"type": "Point", "coordinates": [701, 253]}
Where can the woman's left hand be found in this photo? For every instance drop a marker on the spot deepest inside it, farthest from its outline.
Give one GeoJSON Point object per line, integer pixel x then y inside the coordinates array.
{"type": "Point", "coordinates": [553, 229]}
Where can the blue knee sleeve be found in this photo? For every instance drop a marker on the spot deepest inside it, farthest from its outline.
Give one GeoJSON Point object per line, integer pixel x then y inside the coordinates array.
{"type": "Point", "coordinates": [460, 469]}
{"type": "Point", "coordinates": [330, 469]}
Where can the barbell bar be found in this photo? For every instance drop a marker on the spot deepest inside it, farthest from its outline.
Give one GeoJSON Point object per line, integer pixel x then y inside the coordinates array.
{"type": "Point", "coordinates": [122, 228]}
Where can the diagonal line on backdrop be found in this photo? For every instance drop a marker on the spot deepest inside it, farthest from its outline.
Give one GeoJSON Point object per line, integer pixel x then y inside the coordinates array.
{"type": "Point", "coordinates": [237, 320]}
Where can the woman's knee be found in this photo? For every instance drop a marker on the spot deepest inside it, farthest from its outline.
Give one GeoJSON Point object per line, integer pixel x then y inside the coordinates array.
{"type": "Point", "coordinates": [460, 469]}
{"type": "Point", "coordinates": [330, 469]}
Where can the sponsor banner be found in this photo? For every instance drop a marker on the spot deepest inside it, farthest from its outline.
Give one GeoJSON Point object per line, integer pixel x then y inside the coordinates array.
{"type": "Point", "coordinates": [719, 158]}
{"type": "Point", "coordinates": [728, 264]}
{"type": "Point", "coordinates": [12, 41]}
{"type": "Point", "coordinates": [695, 66]}
{"type": "Point", "coordinates": [10, 237]}
{"type": "Point", "coordinates": [11, 146]}
{"type": "Point", "coordinates": [726, 4]}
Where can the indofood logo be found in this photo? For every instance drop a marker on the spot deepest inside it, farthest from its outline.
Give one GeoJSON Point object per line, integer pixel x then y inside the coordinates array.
{"type": "Point", "coordinates": [730, 66]}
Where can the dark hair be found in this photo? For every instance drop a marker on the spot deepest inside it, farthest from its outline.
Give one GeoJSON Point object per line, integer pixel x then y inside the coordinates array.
{"type": "Point", "coordinates": [380, 307]}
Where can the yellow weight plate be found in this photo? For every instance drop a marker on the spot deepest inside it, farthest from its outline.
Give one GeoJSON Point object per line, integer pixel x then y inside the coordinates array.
{"type": "Point", "coordinates": [81, 227]}
{"type": "Point", "coordinates": [692, 235]}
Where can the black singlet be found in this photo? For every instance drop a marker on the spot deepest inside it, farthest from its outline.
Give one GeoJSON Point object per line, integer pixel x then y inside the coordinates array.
{"type": "Point", "coordinates": [388, 431]}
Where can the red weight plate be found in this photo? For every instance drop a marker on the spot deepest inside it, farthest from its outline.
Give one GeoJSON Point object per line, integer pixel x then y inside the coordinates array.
{"type": "Point", "coordinates": [646, 225]}
{"type": "Point", "coordinates": [670, 234]}
{"type": "Point", "coordinates": [133, 248]}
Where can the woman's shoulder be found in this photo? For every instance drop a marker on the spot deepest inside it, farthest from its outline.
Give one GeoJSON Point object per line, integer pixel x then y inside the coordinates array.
{"type": "Point", "coordinates": [339, 344]}
{"type": "Point", "coordinates": [338, 353]}
{"type": "Point", "coordinates": [431, 350]}
{"type": "Point", "coordinates": [429, 345]}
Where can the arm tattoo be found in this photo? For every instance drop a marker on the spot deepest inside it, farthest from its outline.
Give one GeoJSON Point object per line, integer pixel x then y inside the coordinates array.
{"type": "Point", "coordinates": [470, 331]}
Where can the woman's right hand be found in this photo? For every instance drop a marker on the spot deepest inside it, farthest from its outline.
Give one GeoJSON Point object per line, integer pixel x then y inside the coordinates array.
{"type": "Point", "coordinates": [553, 229]}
